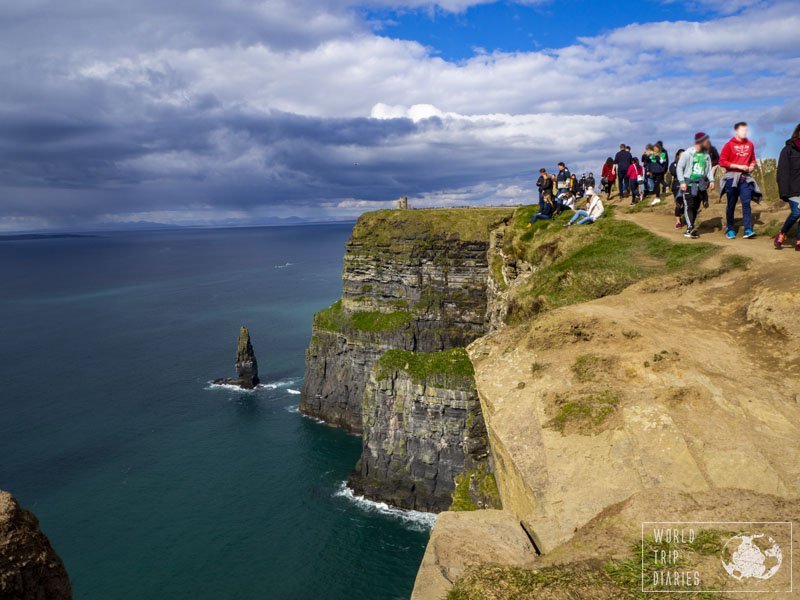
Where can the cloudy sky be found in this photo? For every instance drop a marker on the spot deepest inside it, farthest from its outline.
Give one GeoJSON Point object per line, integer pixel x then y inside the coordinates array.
{"type": "Point", "coordinates": [206, 112]}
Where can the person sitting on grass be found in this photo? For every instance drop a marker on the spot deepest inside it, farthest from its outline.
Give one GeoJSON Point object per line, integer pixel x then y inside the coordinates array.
{"type": "Point", "coordinates": [593, 211]}
{"type": "Point", "coordinates": [547, 210]}
{"type": "Point", "coordinates": [565, 201]}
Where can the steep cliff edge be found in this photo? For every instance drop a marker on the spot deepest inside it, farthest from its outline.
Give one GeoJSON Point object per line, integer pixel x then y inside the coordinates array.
{"type": "Point", "coordinates": [29, 567]}
{"type": "Point", "coordinates": [637, 373]}
{"type": "Point", "coordinates": [387, 360]}
{"type": "Point", "coordinates": [413, 280]}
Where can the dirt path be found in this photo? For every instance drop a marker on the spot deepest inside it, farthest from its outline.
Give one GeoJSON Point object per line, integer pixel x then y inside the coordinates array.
{"type": "Point", "coordinates": [660, 221]}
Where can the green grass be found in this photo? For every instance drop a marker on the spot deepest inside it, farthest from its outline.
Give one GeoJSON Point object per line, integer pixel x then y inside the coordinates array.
{"type": "Point", "coordinates": [465, 224]}
{"type": "Point", "coordinates": [590, 261]}
{"type": "Point", "coordinates": [588, 366]}
{"type": "Point", "coordinates": [335, 318]}
{"type": "Point", "coordinates": [479, 481]}
{"type": "Point", "coordinates": [451, 365]}
{"type": "Point", "coordinates": [583, 412]}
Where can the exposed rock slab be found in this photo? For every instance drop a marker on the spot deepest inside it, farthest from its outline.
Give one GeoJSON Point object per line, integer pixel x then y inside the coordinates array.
{"type": "Point", "coordinates": [29, 567]}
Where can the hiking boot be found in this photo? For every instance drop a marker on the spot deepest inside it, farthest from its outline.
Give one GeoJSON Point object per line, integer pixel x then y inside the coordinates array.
{"type": "Point", "coordinates": [731, 234]}
{"type": "Point", "coordinates": [749, 233]}
{"type": "Point", "coordinates": [779, 240]}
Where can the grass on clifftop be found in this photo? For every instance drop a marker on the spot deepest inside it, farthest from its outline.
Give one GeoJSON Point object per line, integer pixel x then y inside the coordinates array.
{"type": "Point", "coordinates": [423, 366]}
{"type": "Point", "coordinates": [334, 318]}
{"type": "Point", "coordinates": [585, 262]}
{"type": "Point", "coordinates": [465, 224]}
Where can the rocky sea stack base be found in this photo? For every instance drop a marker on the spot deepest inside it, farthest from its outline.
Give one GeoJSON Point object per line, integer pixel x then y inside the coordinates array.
{"type": "Point", "coordinates": [246, 364]}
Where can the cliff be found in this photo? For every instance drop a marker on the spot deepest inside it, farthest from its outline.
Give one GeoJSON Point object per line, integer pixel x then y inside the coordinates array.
{"type": "Point", "coordinates": [387, 359]}
{"type": "Point", "coordinates": [413, 280]}
{"type": "Point", "coordinates": [29, 567]}
{"type": "Point", "coordinates": [637, 379]}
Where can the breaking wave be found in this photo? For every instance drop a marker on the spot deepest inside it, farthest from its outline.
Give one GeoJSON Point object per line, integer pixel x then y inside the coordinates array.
{"type": "Point", "coordinates": [413, 519]}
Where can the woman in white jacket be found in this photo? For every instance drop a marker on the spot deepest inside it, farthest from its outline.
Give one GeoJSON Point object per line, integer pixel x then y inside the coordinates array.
{"type": "Point", "coordinates": [593, 211]}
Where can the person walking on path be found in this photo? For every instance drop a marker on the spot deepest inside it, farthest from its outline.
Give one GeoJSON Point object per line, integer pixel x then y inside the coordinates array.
{"type": "Point", "coordinates": [675, 188]}
{"type": "Point", "coordinates": [593, 211]}
{"type": "Point", "coordinates": [738, 158]}
{"type": "Point", "coordinates": [789, 186]}
{"type": "Point", "coordinates": [545, 185]}
{"type": "Point", "coordinates": [658, 169]}
{"type": "Point", "coordinates": [635, 177]}
{"type": "Point", "coordinates": [622, 160]}
{"type": "Point", "coordinates": [608, 176]}
{"type": "Point", "coordinates": [694, 178]}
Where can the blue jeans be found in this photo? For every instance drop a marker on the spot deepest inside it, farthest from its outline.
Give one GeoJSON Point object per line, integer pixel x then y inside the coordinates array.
{"type": "Point", "coordinates": [743, 192]}
{"type": "Point", "coordinates": [623, 184]}
{"type": "Point", "coordinates": [582, 217]}
{"type": "Point", "coordinates": [541, 201]}
{"type": "Point", "coordinates": [538, 217]}
{"type": "Point", "coordinates": [650, 185]}
{"type": "Point", "coordinates": [794, 215]}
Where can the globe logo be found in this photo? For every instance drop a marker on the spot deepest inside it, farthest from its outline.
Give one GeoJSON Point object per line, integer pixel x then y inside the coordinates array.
{"type": "Point", "coordinates": [751, 557]}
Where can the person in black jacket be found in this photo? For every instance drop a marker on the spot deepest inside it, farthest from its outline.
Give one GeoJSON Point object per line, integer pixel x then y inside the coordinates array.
{"type": "Point", "coordinates": [657, 166]}
{"type": "Point", "coordinates": [544, 184]}
{"type": "Point", "coordinates": [623, 160]}
{"type": "Point", "coordinates": [675, 188]}
{"type": "Point", "coordinates": [789, 186]}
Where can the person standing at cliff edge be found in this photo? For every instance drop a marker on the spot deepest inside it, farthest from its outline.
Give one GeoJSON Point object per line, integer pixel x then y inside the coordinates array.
{"type": "Point", "coordinates": [738, 158]}
{"type": "Point", "coordinates": [789, 186]}
{"type": "Point", "coordinates": [694, 177]}
{"type": "Point", "coordinates": [545, 185]}
{"type": "Point", "coordinates": [622, 160]}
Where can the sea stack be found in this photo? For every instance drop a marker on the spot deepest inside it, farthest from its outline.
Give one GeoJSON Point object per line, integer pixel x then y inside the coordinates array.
{"type": "Point", "coordinates": [246, 364]}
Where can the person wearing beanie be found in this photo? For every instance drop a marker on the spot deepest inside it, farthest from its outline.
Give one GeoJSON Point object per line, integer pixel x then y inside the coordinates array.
{"type": "Point", "coordinates": [789, 186]}
{"type": "Point", "coordinates": [694, 179]}
{"type": "Point", "coordinates": [738, 158]}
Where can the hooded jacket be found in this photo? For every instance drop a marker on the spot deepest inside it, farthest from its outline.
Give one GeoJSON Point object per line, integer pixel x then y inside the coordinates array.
{"type": "Point", "coordinates": [737, 152]}
{"type": "Point", "coordinates": [789, 170]}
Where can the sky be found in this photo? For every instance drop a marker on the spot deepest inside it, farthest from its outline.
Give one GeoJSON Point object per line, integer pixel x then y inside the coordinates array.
{"type": "Point", "coordinates": [232, 112]}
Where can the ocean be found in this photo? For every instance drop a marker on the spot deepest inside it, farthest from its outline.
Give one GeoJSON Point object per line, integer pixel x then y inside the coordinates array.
{"type": "Point", "coordinates": [149, 482]}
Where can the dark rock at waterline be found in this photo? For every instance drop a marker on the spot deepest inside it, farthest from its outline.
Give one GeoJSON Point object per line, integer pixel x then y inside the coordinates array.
{"type": "Point", "coordinates": [29, 567]}
{"type": "Point", "coordinates": [246, 364]}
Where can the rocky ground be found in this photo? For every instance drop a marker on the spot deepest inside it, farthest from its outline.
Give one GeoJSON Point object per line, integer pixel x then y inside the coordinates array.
{"type": "Point", "coordinates": [672, 395]}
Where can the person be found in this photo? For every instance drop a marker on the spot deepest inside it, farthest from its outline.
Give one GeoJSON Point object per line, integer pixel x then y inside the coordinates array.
{"type": "Point", "coordinates": [635, 177]}
{"type": "Point", "coordinates": [593, 211]}
{"type": "Point", "coordinates": [562, 178]}
{"type": "Point", "coordinates": [622, 160]}
{"type": "Point", "coordinates": [789, 186]}
{"type": "Point", "coordinates": [547, 210]}
{"type": "Point", "coordinates": [657, 167]}
{"type": "Point", "coordinates": [582, 185]}
{"type": "Point", "coordinates": [590, 181]}
{"type": "Point", "coordinates": [608, 176]}
{"type": "Point", "coordinates": [565, 201]}
{"type": "Point", "coordinates": [694, 178]}
{"type": "Point", "coordinates": [675, 188]}
{"type": "Point", "coordinates": [574, 185]}
{"type": "Point", "coordinates": [660, 144]}
{"type": "Point", "coordinates": [648, 180]}
{"type": "Point", "coordinates": [738, 158]}
{"type": "Point", "coordinates": [544, 184]}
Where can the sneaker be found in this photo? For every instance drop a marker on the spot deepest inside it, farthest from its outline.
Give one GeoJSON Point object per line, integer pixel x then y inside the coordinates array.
{"type": "Point", "coordinates": [688, 233]}
{"type": "Point", "coordinates": [695, 233]}
{"type": "Point", "coordinates": [731, 234]}
{"type": "Point", "coordinates": [797, 246]}
{"type": "Point", "coordinates": [656, 201]}
{"type": "Point", "coordinates": [749, 233]}
{"type": "Point", "coordinates": [530, 225]}
{"type": "Point", "coordinates": [678, 225]}
{"type": "Point", "coordinates": [779, 240]}
{"type": "Point", "coordinates": [567, 225]}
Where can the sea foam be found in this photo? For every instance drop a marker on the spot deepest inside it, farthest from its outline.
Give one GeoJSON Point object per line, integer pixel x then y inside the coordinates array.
{"type": "Point", "coordinates": [413, 519]}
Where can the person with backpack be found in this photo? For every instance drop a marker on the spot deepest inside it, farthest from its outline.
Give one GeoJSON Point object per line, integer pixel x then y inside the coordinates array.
{"type": "Point", "coordinates": [635, 177]}
{"type": "Point", "coordinates": [675, 188]}
{"type": "Point", "coordinates": [657, 166]}
{"type": "Point", "coordinates": [789, 186]}
{"type": "Point", "coordinates": [593, 211]}
{"type": "Point", "coordinates": [694, 177]}
{"type": "Point", "coordinates": [545, 185]}
{"type": "Point", "coordinates": [738, 158]}
{"type": "Point", "coordinates": [622, 160]}
{"type": "Point", "coordinates": [608, 176]}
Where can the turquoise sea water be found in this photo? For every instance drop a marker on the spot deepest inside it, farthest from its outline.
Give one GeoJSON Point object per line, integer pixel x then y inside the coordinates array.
{"type": "Point", "coordinates": [150, 484]}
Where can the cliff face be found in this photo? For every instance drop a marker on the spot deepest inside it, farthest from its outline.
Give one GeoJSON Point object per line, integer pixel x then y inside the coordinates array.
{"type": "Point", "coordinates": [29, 567]}
{"type": "Point", "coordinates": [422, 428]}
{"type": "Point", "coordinates": [413, 280]}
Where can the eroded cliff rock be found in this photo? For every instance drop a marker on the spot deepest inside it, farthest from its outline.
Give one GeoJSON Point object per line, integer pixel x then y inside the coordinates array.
{"type": "Point", "coordinates": [29, 567]}
{"type": "Point", "coordinates": [246, 364]}
{"type": "Point", "coordinates": [422, 428]}
{"type": "Point", "coordinates": [413, 280]}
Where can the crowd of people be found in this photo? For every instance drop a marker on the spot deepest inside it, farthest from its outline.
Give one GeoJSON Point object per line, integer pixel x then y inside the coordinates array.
{"type": "Point", "coordinates": [689, 177]}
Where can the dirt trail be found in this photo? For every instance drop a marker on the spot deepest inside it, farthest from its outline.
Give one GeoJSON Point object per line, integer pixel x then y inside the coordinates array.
{"type": "Point", "coordinates": [660, 221]}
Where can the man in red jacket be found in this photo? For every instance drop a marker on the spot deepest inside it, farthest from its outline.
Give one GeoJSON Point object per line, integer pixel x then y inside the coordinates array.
{"type": "Point", "coordinates": [738, 157]}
